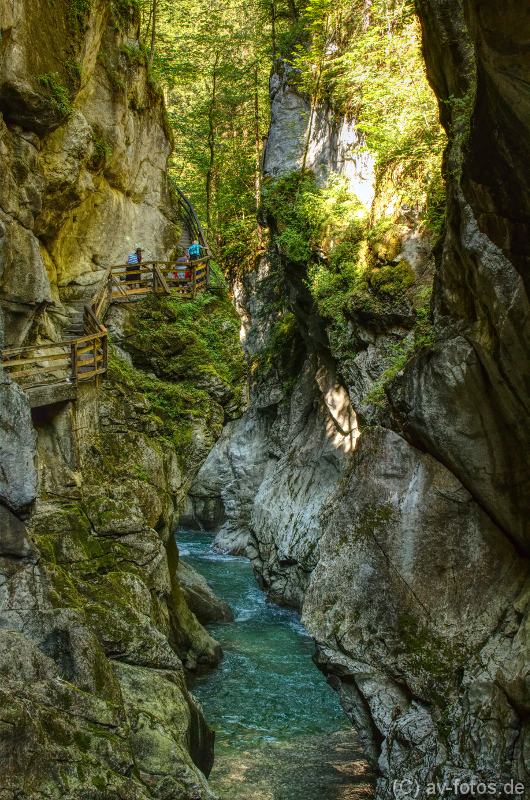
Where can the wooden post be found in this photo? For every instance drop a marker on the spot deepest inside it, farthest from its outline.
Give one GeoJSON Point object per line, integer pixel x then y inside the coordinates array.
{"type": "Point", "coordinates": [104, 346]}
{"type": "Point", "coordinates": [73, 357]}
{"type": "Point", "coordinates": [109, 288]}
{"type": "Point", "coordinates": [208, 274]}
{"type": "Point", "coordinates": [194, 280]}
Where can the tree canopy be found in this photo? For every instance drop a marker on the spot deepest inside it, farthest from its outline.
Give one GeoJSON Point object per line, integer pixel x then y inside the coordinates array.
{"type": "Point", "coordinates": [362, 58]}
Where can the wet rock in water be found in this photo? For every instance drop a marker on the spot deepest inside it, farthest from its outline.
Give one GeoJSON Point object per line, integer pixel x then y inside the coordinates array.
{"type": "Point", "coordinates": [200, 597]}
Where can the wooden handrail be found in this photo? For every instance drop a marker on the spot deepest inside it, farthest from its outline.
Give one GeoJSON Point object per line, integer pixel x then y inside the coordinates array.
{"type": "Point", "coordinates": [110, 289]}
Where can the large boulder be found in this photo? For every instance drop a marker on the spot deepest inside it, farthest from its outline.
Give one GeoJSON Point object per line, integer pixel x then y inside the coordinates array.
{"type": "Point", "coordinates": [200, 597]}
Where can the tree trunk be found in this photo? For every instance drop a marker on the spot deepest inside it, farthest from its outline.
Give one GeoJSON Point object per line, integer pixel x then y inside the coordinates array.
{"type": "Point", "coordinates": [257, 175]}
{"type": "Point", "coordinates": [367, 7]}
{"type": "Point", "coordinates": [153, 33]}
{"type": "Point", "coordinates": [211, 146]}
{"type": "Point", "coordinates": [273, 21]}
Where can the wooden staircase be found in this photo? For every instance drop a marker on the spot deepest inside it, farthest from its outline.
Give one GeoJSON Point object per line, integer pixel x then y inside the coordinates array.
{"type": "Point", "coordinates": [84, 357]}
{"type": "Point", "coordinates": [83, 354]}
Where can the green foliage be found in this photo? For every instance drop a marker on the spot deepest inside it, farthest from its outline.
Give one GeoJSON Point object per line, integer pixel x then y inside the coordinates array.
{"type": "Point", "coordinates": [127, 12]}
{"type": "Point", "coordinates": [77, 13]}
{"type": "Point", "coordinates": [283, 353]}
{"type": "Point", "coordinates": [436, 205]}
{"type": "Point", "coordinates": [102, 151]}
{"type": "Point", "coordinates": [174, 400]}
{"type": "Point", "coordinates": [292, 38]}
{"type": "Point", "coordinates": [136, 54]}
{"type": "Point", "coordinates": [326, 229]}
{"type": "Point", "coordinates": [58, 94]}
{"type": "Point", "coordinates": [238, 243]}
{"type": "Point", "coordinates": [375, 72]}
{"type": "Point", "coordinates": [74, 72]}
{"type": "Point", "coordinates": [116, 81]}
{"type": "Point", "coordinates": [422, 336]}
{"type": "Point", "coordinates": [177, 345]}
{"type": "Point", "coordinates": [310, 218]}
{"type": "Point", "coordinates": [187, 337]}
{"type": "Point", "coordinates": [217, 132]}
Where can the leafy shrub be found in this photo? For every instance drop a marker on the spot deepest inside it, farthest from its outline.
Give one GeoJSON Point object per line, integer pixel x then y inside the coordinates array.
{"type": "Point", "coordinates": [58, 94]}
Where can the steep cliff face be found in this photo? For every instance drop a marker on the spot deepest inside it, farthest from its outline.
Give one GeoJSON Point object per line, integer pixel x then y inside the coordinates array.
{"type": "Point", "coordinates": [416, 562]}
{"type": "Point", "coordinates": [270, 471]}
{"type": "Point", "coordinates": [97, 636]}
{"type": "Point", "coordinates": [268, 476]}
{"type": "Point", "coordinates": [427, 675]}
{"type": "Point", "coordinates": [83, 142]}
{"type": "Point", "coordinates": [332, 146]}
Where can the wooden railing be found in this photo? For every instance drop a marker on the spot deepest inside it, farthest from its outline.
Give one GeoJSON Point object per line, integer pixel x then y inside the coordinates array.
{"type": "Point", "coordinates": [84, 359]}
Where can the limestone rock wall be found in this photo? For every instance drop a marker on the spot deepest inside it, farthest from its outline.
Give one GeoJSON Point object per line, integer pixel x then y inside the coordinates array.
{"type": "Point", "coordinates": [332, 146]}
{"type": "Point", "coordinates": [429, 678]}
{"type": "Point", "coordinates": [96, 634]}
{"type": "Point", "coordinates": [91, 592]}
{"type": "Point", "coordinates": [84, 150]}
{"type": "Point", "coordinates": [270, 471]}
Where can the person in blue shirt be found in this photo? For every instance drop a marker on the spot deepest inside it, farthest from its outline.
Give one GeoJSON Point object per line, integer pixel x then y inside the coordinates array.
{"type": "Point", "coordinates": [194, 251]}
{"type": "Point", "coordinates": [134, 258]}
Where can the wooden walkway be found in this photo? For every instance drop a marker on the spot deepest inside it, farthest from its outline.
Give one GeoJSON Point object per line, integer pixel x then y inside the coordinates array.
{"type": "Point", "coordinates": [85, 358]}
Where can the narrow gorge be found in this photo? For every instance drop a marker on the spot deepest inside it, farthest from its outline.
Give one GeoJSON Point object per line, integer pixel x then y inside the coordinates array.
{"type": "Point", "coordinates": [344, 406]}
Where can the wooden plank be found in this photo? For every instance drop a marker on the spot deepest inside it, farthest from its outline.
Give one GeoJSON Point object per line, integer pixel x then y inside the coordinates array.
{"type": "Point", "coordinates": [85, 367]}
{"type": "Point", "coordinates": [141, 265]}
{"type": "Point", "coordinates": [138, 280]}
{"type": "Point", "coordinates": [29, 361]}
{"type": "Point", "coordinates": [15, 351]}
{"type": "Point", "coordinates": [91, 321]}
{"type": "Point", "coordinates": [91, 336]}
{"type": "Point", "coordinates": [101, 288]}
{"type": "Point", "coordinates": [87, 375]}
{"type": "Point", "coordinates": [88, 355]}
{"type": "Point", "coordinates": [117, 283]}
{"type": "Point", "coordinates": [163, 284]}
{"type": "Point", "coordinates": [40, 371]}
{"type": "Point", "coordinates": [143, 290]}
{"type": "Point", "coordinates": [73, 359]}
{"type": "Point", "coordinates": [99, 306]}
{"type": "Point", "coordinates": [25, 361]}
{"type": "Point", "coordinates": [105, 353]}
{"type": "Point", "coordinates": [83, 350]}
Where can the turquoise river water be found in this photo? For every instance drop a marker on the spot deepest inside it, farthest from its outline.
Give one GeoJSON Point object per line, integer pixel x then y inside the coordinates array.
{"type": "Point", "coordinates": [280, 732]}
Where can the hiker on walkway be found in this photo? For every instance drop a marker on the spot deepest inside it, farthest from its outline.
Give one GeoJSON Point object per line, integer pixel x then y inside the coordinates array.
{"type": "Point", "coordinates": [194, 251]}
{"type": "Point", "coordinates": [183, 272]}
{"type": "Point", "coordinates": [134, 258]}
